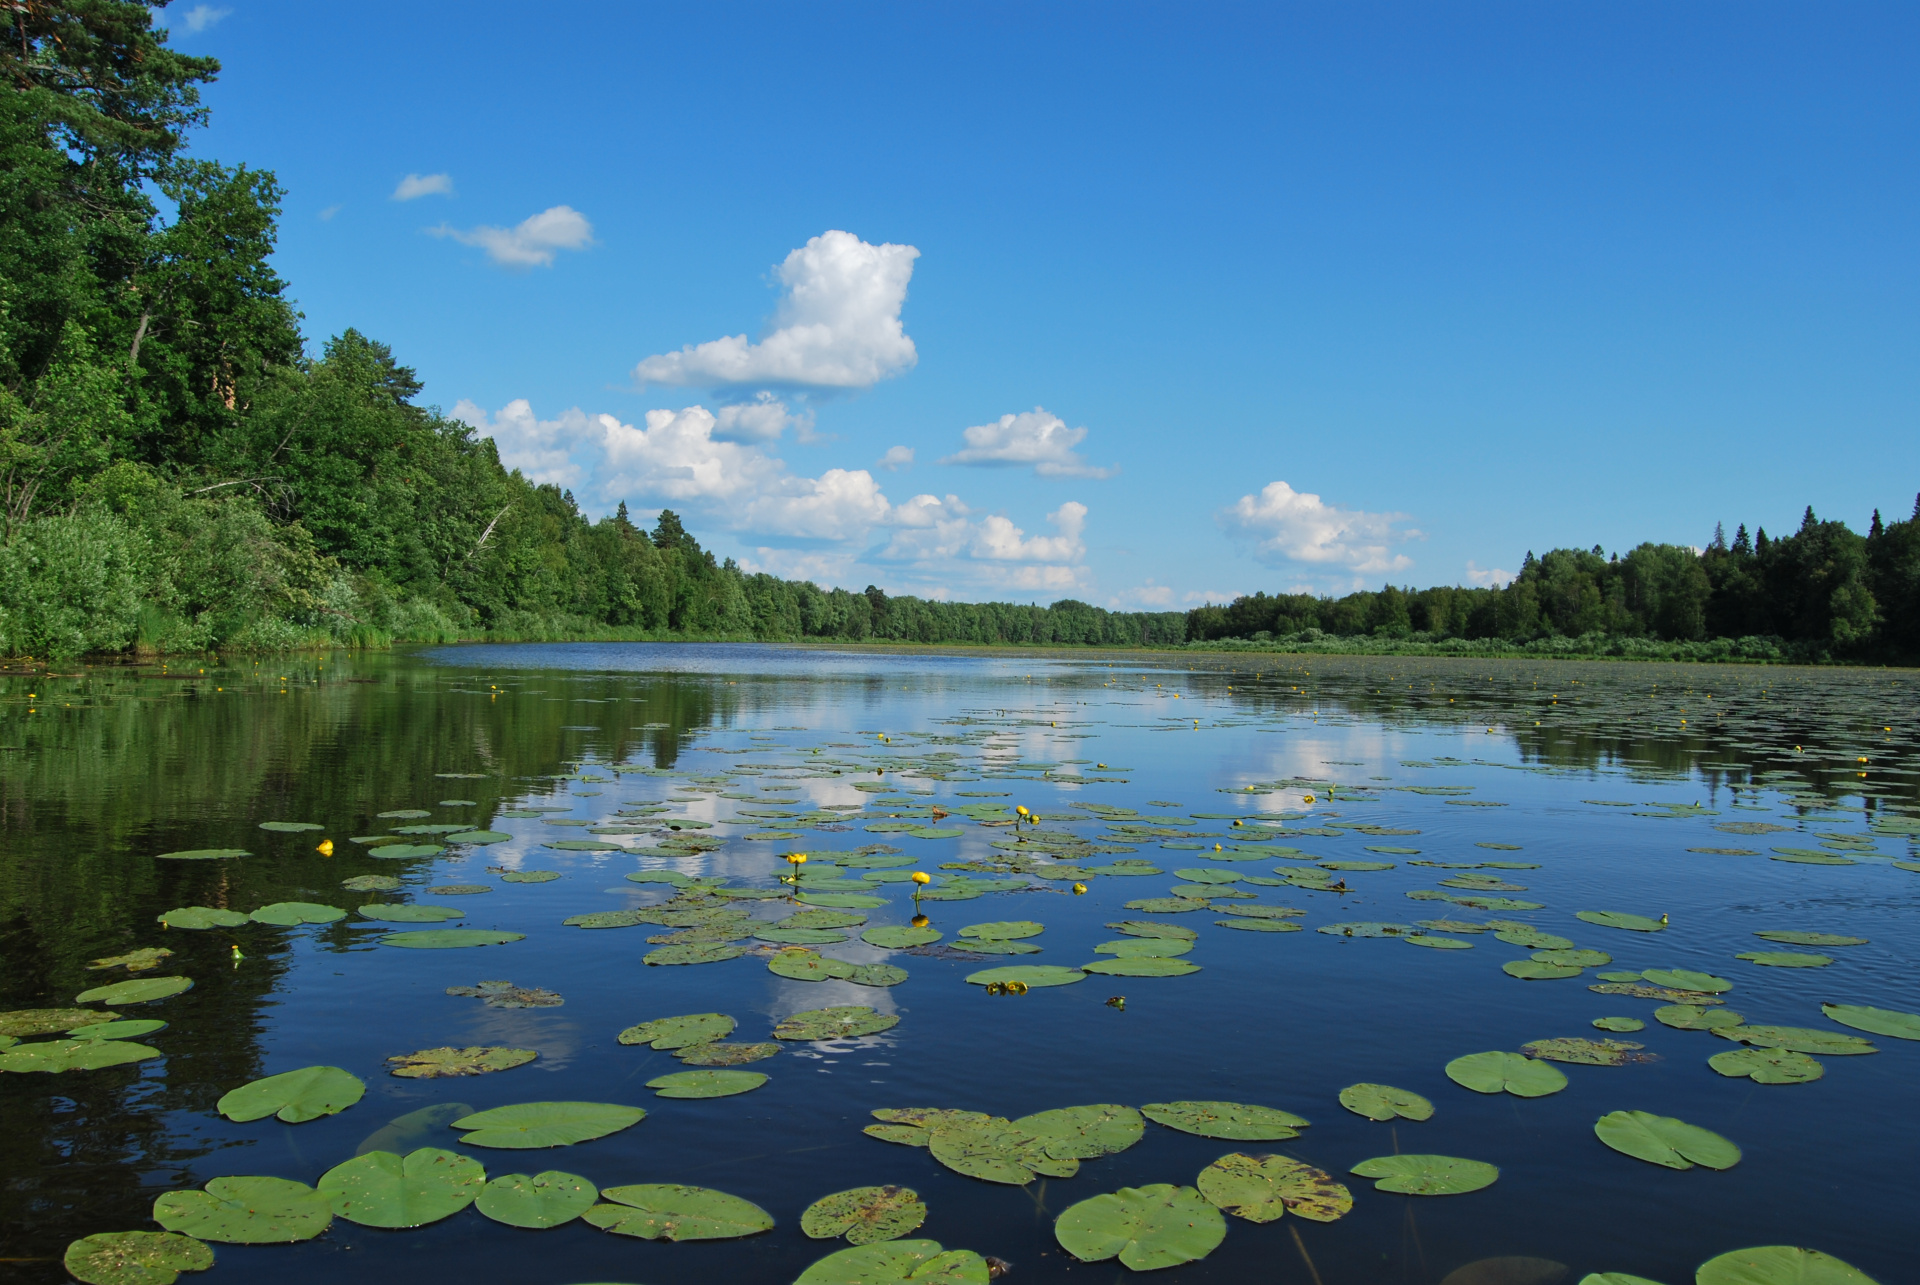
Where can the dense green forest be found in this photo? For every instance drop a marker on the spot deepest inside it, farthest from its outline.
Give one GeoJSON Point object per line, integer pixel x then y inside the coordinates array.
{"type": "Point", "coordinates": [177, 474]}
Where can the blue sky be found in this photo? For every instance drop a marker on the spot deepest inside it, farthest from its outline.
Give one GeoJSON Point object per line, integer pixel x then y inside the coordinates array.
{"type": "Point", "coordinates": [1142, 304]}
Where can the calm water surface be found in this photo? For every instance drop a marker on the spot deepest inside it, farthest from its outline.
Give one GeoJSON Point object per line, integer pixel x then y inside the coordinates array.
{"type": "Point", "coordinates": [1607, 777]}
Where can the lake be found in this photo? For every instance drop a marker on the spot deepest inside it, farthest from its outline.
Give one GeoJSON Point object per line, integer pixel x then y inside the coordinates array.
{"type": "Point", "coordinates": [1477, 807]}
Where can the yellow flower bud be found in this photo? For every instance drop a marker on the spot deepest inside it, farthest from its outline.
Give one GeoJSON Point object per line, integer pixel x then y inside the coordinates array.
{"type": "Point", "coordinates": [922, 877]}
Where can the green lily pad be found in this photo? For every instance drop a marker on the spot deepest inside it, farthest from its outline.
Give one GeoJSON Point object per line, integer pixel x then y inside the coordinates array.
{"type": "Point", "coordinates": [1010, 930]}
{"type": "Point", "coordinates": [1432, 942]}
{"type": "Point", "coordinates": [1811, 939]}
{"type": "Point", "coordinates": [202, 854]}
{"type": "Point", "coordinates": [527, 1125]}
{"type": "Point", "coordinates": [1234, 1121]}
{"type": "Point", "coordinates": [129, 1030]}
{"type": "Point", "coordinates": [1528, 970]}
{"type": "Point", "coordinates": [1034, 975]}
{"type": "Point", "coordinates": [1261, 911]}
{"type": "Point", "coordinates": [1663, 1140]}
{"type": "Point", "coordinates": [802, 965]}
{"type": "Point", "coordinates": [1166, 905]}
{"type": "Point", "coordinates": [246, 1211]}
{"type": "Point", "coordinates": [139, 991]}
{"type": "Point", "coordinates": [383, 1189]}
{"type": "Point", "coordinates": [1619, 975]}
{"type": "Point", "coordinates": [290, 914]}
{"type": "Point", "coordinates": [459, 889]}
{"type": "Point", "coordinates": [1577, 958]}
{"type": "Point", "coordinates": [530, 876]}
{"type": "Point", "coordinates": [294, 1096]}
{"type": "Point", "coordinates": [665, 1211]}
{"type": "Point", "coordinates": [1262, 1188]}
{"type": "Point", "coordinates": [800, 936]}
{"type": "Point", "coordinates": [1082, 1133]}
{"type": "Point", "coordinates": [1695, 1017]}
{"type": "Point", "coordinates": [845, 900]}
{"type": "Point", "coordinates": [679, 1032]}
{"type": "Point", "coordinates": [915, 1126]}
{"type": "Point", "coordinates": [405, 851]}
{"type": "Point", "coordinates": [401, 913]}
{"type": "Point", "coordinates": [134, 961]}
{"type": "Point", "coordinates": [613, 919]}
{"type": "Point", "coordinates": [71, 1055]}
{"type": "Point", "coordinates": [371, 883]}
{"type": "Point", "coordinates": [449, 938]}
{"type": "Point", "coordinates": [865, 1215]}
{"type": "Point", "coordinates": [1502, 1072]}
{"type": "Point", "coordinates": [1427, 1175]}
{"type": "Point", "coordinates": [1798, 1039]}
{"type": "Point", "coordinates": [1620, 919]}
{"type": "Point", "coordinates": [816, 918]}
{"type": "Point", "coordinates": [1366, 929]}
{"type": "Point", "coordinates": [705, 952]}
{"type": "Point", "coordinates": [538, 1200]}
{"type": "Point", "coordinates": [1147, 928]}
{"type": "Point", "coordinates": [135, 1258]}
{"type": "Point", "coordinates": [898, 1263]}
{"type": "Point", "coordinates": [443, 1063]}
{"type": "Point", "coordinates": [1779, 1265]}
{"type": "Point", "coordinates": [1687, 980]}
{"type": "Point", "coordinates": [479, 836]}
{"type": "Point", "coordinates": [1585, 1052]}
{"type": "Point", "coordinates": [1785, 959]}
{"type": "Point", "coordinates": [1259, 925]}
{"type": "Point", "coordinates": [840, 1022]}
{"type": "Point", "coordinates": [45, 1021]}
{"type": "Point", "coordinates": [718, 1053]}
{"type": "Point", "coordinates": [1141, 966]}
{"type": "Point", "coordinates": [1861, 1017]}
{"type": "Point", "coordinates": [900, 936]}
{"type": "Point", "coordinates": [404, 814]}
{"type": "Point", "coordinates": [1144, 947]}
{"type": "Point", "coordinates": [199, 917]}
{"type": "Point", "coordinates": [1767, 1066]}
{"type": "Point", "coordinates": [1200, 874]}
{"type": "Point", "coordinates": [1623, 1024]}
{"type": "Point", "coordinates": [290, 827]}
{"type": "Point", "coordinates": [1384, 1102]}
{"type": "Point", "coordinates": [1531, 938]}
{"type": "Point", "coordinates": [706, 1084]}
{"type": "Point", "coordinates": [1150, 1227]}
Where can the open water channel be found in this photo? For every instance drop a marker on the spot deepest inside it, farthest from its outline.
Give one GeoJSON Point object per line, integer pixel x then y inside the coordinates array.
{"type": "Point", "coordinates": [1335, 872]}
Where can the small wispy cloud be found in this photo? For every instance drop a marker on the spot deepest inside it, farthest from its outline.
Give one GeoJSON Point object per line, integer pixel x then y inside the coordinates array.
{"type": "Point", "coordinates": [326, 215]}
{"type": "Point", "coordinates": [1492, 577]}
{"type": "Point", "coordinates": [897, 458]}
{"type": "Point", "coordinates": [203, 16]}
{"type": "Point", "coordinates": [530, 243]}
{"type": "Point", "coordinates": [415, 186]}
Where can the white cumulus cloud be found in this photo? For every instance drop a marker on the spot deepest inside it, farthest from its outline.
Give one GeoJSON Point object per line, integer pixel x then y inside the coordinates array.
{"type": "Point", "coordinates": [1286, 525]}
{"type": "Point", "coordinates": [415, 186]}
{"type": "Point", "coordinates": [541, 449]}
{"type": "Point", "coordinates": [761, 420]}
{"type": "Point", "coordinates": [999, 539]}
{"type": "Point", "coordinates": [530, 243]}
{"type": "Point", "coordinates": [1032, 439]}
{"type": "Point", "coordinates": [1487, 576]}
{"type": "Point", "coordinates": [202, 16]}
{"type": "Point", "coordinates": [837, 325]}
{"type": "Point", "coordinates": [896, 459]}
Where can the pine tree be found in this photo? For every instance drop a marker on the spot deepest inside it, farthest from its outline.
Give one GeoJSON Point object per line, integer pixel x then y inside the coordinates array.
{"type": "Point", "coordinates": [1875, 530]}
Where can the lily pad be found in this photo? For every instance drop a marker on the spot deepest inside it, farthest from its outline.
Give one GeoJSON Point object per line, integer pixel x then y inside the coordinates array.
{"type": "Point", "coordinates": [1623, 1024]}
{"type": "Point", "coordinates": [442, 1063]}
{"type": "Point", "coordinates": [1767, 1066]}
{"type": "Point", "coordinates": [290, 914]}
{"type": "Point", "coordinates": [1427, 1175]}
{"type": "Point", "coordinates": [900, 937]}
{"type": "Point", "coordinates": [405, 851]}
{"type": "Point", "coordinates": [1529, 971]}
{"type": "Point", "coordinates": [718, 1053]}
{"type": "Point", "coordinates": [1262, 1188]}
{"type": "Point", "coordinates": [246, 1211]}
{"type": "Point", "coordinates": [1879, 1021]}
{"type": "Point", "coordinates": [706, 1084]}
{"type": "Point", "coordinates": [1366, 929]}
{"type": "Point", "coordinates": [1585, 1052]}
{"type": "Point", "coordinates": [1688, 980]}
{"type": "Point", "coordinates": [142, 960]}
{"type": "Point", "coordinates": [1663, 1140]}
{"type": "Point", "coordinates": [371, 883]}
{"type": "Point", "coordinates": [843, 1021]}
{"type": "Point", "coordinates": [865, 1215]}
{"type": "Point", "coordinates": [679, 1032]}
{"type": "Point", "coordinates": [1620, 919]}
{"type": "Point", "coordinates": [1779, 1265]}
{"type": "Point", "coordinates": [1150, 1227]}
{"type": "Point", "coordinates": [1141, 966]}
{"type": "Point", "coordinates": [1502, 1072]}
{"type": "Point", "coordinates": [1034, 975]}
{"type": "Point", "coordinates": [401, 913]}
{"type": "Point", "coordinates": [1166, 905]}
{"type": "Point", "coordinates": [1577, 958]}
{"type": "Point", "coordinates": [135, 1258]}
{"type": "Point", "coordinates": [458, 889]}
{"type": "Point", "coordinates": [1234, 1121]}
{"type": "Point", "coordinates": [1083, 1133]}
{"type": "Point", "coordinates": [530, 876]}
{"type": "Point", "coordinates": [404, 814]}
{"type": "Point", "coordinates": [129, 1030]}
{"type": "Point", "coordinates": [1384, 1102]}
{"type": "Point", "coordinates": [706, 952]}
{"type": "Point", "coordinates": [202, 854]}
{"type": "Point", "coordinates": [290, 827]}
{"type": "Point", "coordinates": [898, 1263]}
{"type": "Point", "coordinates": [139, 991]}
{"type": "Point", "coordinates": [528, 1125]}
{"type": "Point", "coordinates": [666, 1211]}
{"type": "Point", "coordinates": [479, 836]}
{"type": "Point", "coordinates": [1798, 1039]}
{"type": "Point", "coordinates": [199, 917]}
{"type": "Point", "coordinates": [449, 938]}
{"type": "Point", "coordinates": [1259, 925]}
{"type": "Point", "coordinates": [538, 1200]}
{"type": "Point", "coordinates": [384, 1189]}
{"type": "Point", "coordinates": [1147, 928]}
{"type": "Point", "coordinates": [71, 1055]}
{"type": "Point", "coordinates": [1695, 1017]}
{"type": "Point", "coordinates": [1531, 938]}
{"type": "Point", "coordinates": [1009, 930]}
{"type": "Point", "coordinates": [45, 1021]}
{"type": "Point", "coordinates": [1811, 939]}
{"type": "Point", "coordinates": [845, 900]}
{"type": "Point", "coordinates": [1144, 947]}
{"type": "Point", "coordinates": [294, 1096]}
{"type": "Point", "coordinates": [915, 1126]}
{"type": "Point", "coordinates": [1432, 942]}
{"type": "Point", "coordinates": [800, 936]}
{"type": "Point", "coordinates": [1785, 959]}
